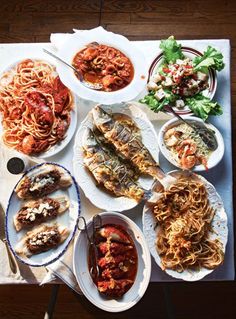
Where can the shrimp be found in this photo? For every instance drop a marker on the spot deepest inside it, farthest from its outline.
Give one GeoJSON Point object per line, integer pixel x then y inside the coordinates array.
{"type": "Point", "coordinates": [188, 161]}
{"type": "Point", "coordinates": [28, 144]}
{"type": "Point", "coordinates": [172, 137]}
{"type": "Point", "coordinates": [203, 161]}
{"type": "Point", "coordinates": [187, 153]}
{"type": "Point", "coordinates": [187, 147]}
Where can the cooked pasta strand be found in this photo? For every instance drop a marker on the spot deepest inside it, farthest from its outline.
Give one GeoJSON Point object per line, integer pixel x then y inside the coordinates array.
{"type": "Point", "coordinates": [184, 216]}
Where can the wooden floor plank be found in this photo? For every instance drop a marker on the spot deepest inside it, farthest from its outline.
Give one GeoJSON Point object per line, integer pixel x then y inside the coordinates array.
{"type": "Point", "coordinates": [169, 6]}
{"type": "Point", "coordinates": [71, 6]}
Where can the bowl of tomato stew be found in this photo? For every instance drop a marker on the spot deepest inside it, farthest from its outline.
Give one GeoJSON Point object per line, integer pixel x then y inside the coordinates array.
{"type": "Point", "coordinates": [104, 58]}
{"type": "Point", "coordinates": [123, 259]}
{"type": "Point", "coordinates": [104, 65]}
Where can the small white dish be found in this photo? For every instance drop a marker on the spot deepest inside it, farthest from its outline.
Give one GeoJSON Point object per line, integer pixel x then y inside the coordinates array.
{"type": "Point", "coordinates": [219, 228]}
{"type": "Point", "coordinates": [188, 53]}
{"type": "Point", "coordinates": [68, 218]}
{"type": "Point", "coordinates": [58, 147]}
{"type": "Point", "coordinates": [80, 265]}
{"type": "Point", "coordinates": [77, 41]}
{"type": "Point", "coordinates": [96, 195]}
{"type": "Point", "coordinates": [214, 158]}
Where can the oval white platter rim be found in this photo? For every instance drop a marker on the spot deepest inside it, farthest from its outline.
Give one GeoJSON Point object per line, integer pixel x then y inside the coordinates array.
{"type": "Point", "coordinates": [215, 157]}
{"type": "Point", "coordinates": [87, 183]}
{"type": "Point", "coordinates": [220, 218]}
{"type": "Point", "coordinates": [77, 42]}
{"type": "Point", "coordinates": [62, 247]}
{"type": "Point", "coordinates": [191, 52]}
{"type": "Point", "coordinates": [58, 147]}
{"type": "Point", "coordinates": [138, 236]}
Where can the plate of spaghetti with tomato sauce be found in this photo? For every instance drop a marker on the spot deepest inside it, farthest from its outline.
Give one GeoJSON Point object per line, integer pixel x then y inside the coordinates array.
{"type": "Point", "coordinates": [38, 113]}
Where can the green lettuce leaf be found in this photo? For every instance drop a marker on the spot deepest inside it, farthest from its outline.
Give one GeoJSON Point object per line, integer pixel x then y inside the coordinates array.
{"type": "Point", "coordinates": [203, 107]}
{"type": "Point", "coordinates": [171, 50]}
{"type": "Point", "coordinates": [211, 58]}
{"type": "Point", "coordinates": [156, 105]}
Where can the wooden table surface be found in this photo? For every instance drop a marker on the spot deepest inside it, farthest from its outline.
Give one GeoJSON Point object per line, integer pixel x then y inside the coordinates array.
{"type": "Point", "coordinates": [34, 21]}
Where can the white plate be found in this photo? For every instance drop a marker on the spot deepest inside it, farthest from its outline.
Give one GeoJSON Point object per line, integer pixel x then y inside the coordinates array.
{"type": "Point", "coordinates": [96, 195]}
{"type": "Point", "coordinates": [189, 53]}
{"type": "Point", "coordinates": [80, 265]}
{"type": "Point", "coordinates": [219, 226]}
{"type": "Point", "coordinates": [77, 41]}
{"type": "Point", "coordinates": [214, 158]}
{"type": "Point", "coordinates": [68, 219]}
{"type": "Point", "coordinates": [72, 127]}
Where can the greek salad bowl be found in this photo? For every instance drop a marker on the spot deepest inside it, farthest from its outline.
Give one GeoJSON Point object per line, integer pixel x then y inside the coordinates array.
{"type": "Point", "coordinates": [185, 79]}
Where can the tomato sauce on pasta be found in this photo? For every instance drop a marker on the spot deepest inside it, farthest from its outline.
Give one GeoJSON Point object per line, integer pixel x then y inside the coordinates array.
{"type": "Point", "coordinates": [35, 107]}
{"type": "Point", "coordinates": [102, 64]}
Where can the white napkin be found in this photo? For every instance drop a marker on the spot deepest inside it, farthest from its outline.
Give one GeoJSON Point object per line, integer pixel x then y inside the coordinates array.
{"type": "Point", "coordinates": [63, 269]}
{"type": "Point", "coordinates": [58, 39]}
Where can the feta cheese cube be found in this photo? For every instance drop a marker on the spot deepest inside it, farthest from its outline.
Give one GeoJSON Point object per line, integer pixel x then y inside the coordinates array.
{"type": "Point", "coordinates": [179, 62]}
{"type": "Point", "coordinates": [179, 104]}
{"type": "Point", "coordinates": [168, 82]}
{"type": "Point", "coordinates": [156, 78]}
{"type": "Point", "coordinates": [152, 86]}
{"type": "Point", "coordinates": [160, 94]}
{"type": "Point", "coordinates": [202, 76]}
{"type": "Point", "coordinates": [193, 84]}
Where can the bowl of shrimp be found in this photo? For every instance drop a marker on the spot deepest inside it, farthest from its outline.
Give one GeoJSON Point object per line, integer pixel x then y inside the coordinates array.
{"type": "Point", "coordinates": [183, 146]}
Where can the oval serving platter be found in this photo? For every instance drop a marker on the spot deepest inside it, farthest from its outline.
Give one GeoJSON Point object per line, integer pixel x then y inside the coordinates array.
{"type": "Point", "coordinates": [96, 195]}
{"type": "Point", "coordinates": [189, 53]}
{"type": "Point", "coordinates": [69, 219]}
{"type": "Point", "coordinates": [80, 265]}
{"type": "Point", "coordinates": [219, 227]}
{"type": "Point", "coordinates": [55, 149]}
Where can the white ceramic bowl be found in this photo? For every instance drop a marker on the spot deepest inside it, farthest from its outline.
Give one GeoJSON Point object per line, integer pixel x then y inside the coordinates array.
{"type": "Point", "coordinates": [219, 227]}
{"type": "Point", "coordinates": [189, 53]}
{"type": "Point", "coordinates": [214, 158]}
{"type": "Point", "coordinates": [77, 41]}
{"type": "Point", "coordinates": [80, 264]}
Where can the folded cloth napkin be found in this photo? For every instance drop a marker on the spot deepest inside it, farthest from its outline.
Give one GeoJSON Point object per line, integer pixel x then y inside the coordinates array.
{"type": "Point", "coordinates": [63, 269]}
{"type": "Point", "coordinates": [58, 39]}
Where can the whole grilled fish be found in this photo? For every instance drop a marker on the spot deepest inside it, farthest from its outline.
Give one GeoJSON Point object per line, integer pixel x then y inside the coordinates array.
{"type": "Point", "coordinates": [108, 170]}
{"type": "Point", "coordinates": [126, 142]}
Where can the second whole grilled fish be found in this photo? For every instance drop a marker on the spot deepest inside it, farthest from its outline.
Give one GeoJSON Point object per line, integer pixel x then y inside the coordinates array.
{"type": "Point", "coordinates": [108, 170]}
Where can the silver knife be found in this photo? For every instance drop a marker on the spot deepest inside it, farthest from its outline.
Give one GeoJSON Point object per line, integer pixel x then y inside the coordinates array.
{"type": "Point", "coordinates": [11, 259]}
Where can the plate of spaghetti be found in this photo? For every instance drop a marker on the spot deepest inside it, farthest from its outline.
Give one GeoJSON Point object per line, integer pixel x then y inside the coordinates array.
{"type": "Point", "coordinates": [37, 109]}
{"type": "Point", "coordinates": [103, 58]}
{"type": "Point", "coordinates": [186, 228]}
